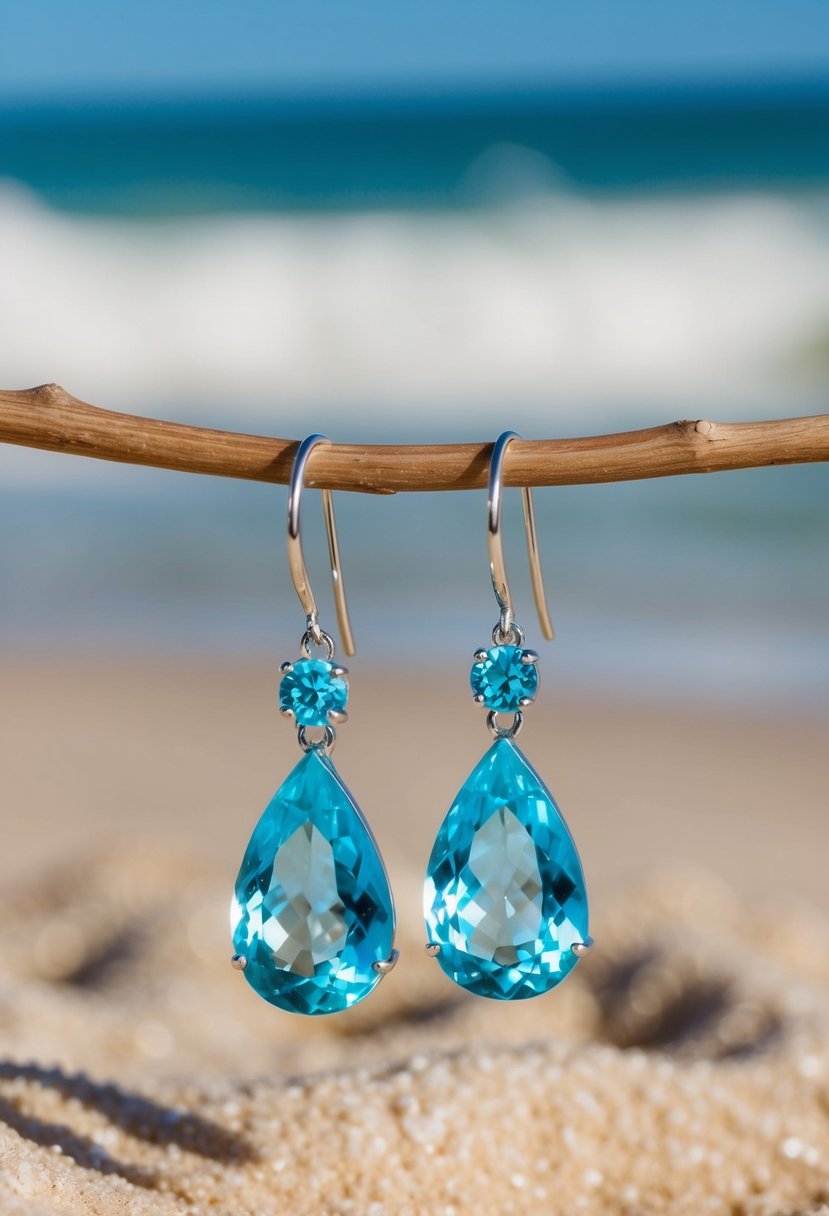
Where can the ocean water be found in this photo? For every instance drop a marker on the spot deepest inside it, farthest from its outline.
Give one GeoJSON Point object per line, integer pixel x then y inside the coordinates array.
{"type": "Point", "coordinates": [415, 271]}
{"type": "Point", "coordinates": [414, 151]}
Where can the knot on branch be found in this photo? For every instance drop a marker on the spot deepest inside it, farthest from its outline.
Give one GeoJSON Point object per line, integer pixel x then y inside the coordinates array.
{"type": "Point", "coordinates": [47, 394]}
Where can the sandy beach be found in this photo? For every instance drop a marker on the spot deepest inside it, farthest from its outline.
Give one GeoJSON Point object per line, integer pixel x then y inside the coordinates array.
{"type": "Point", "coordinates": [683, 1068]}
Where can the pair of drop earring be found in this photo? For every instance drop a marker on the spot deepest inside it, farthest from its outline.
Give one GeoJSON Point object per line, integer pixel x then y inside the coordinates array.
{"type": "Point", "coordinates": [312, 917]}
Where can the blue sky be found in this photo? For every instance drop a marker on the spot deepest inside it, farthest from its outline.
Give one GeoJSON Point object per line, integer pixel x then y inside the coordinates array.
{"type": "Point", "coordinates": [159, 47]}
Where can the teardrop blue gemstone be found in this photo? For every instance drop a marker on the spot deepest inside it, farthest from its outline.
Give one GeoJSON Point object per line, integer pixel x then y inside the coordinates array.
{"type": "Point", "coordinates": [312, 910]}
{"type": "Point", "coordinates": [504, 896]}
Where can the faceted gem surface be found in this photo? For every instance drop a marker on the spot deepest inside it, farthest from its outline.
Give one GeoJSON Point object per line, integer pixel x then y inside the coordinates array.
{"type": "Point", "coordinates": [504, 896]}
{"type": "Point", "coordinates": [503, 679]}
{"type": "Point", "coordinates": [311, 690]}
{"type": "Point", "coordinates": [312, 910]}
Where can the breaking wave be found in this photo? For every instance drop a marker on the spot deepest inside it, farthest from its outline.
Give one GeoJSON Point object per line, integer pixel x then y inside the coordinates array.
{"type": "Point", "coordinates": [596, 303]}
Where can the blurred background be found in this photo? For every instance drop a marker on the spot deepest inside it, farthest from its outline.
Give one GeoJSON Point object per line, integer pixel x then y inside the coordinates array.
{"type": "Point", "coordinates": [427, 223]}
{"type": "Point", "coordinates": [390, 223]}
{"type": "Point", "coordinates": [421, 224]}
{"type": "Point", "coordinates": [410, 224]}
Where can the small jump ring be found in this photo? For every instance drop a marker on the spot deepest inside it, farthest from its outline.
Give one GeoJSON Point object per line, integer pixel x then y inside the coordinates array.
{"type": "Point", "coordinates": [324, 744]}
{"type": "Point", "coordinates": [323, 639]}
{"type": "Point", "coordinates": [513, 636]}
{"type": "Point", "coordinates": [504, 732]}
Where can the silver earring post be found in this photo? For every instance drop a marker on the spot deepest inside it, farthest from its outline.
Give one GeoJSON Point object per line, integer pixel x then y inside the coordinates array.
{"type": "Point", "coordinates": [296, 561]}
{"type": "Point", "coordinates": [507, 627]}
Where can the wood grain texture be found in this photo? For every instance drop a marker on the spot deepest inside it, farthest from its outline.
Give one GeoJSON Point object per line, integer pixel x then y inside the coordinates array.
{"type": "Point", "coordinates": [51, 419]}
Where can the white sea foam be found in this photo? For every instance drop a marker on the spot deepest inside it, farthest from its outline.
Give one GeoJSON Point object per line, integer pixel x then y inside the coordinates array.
{"type": "Point", "coordinates": [659, 302]}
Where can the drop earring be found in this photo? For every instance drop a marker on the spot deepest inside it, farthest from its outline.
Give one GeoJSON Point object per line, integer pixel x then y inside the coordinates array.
{"type": "Point", "coordinates": [312, 917]}
{"type": "Point", "coordinates": [504, 898]}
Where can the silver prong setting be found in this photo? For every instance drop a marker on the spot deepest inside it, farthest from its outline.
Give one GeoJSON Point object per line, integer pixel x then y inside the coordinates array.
{"type": "Point", "coordinates": [480, 656]}
{"type": "Point", "coordinates": [339, 671]}
{"type": "Point", "coordinates": [239, 962]}
{"type": "Point", "coordinates": [479, 699]}
{"type": "Point", "coordinates": [582, 948]}
{"type": "Point", "coordinates": [525, 701]}
{"type": "Point", "coordinates": [288, 713]}
{"type": "Point", "coordinates": [286, 668]}
{"type": "Point", "coordinates": [387, 964]}
{"type": "Point", "coordinates": [529, 656]}
{"type": "Point", "coordinates": [337, 717]}
{"type": "Point", "coordinates": [432, 949]}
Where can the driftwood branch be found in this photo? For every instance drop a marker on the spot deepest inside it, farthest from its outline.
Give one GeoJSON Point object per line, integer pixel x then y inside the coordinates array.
{"type": "Point", "coordinates": [50, 419]}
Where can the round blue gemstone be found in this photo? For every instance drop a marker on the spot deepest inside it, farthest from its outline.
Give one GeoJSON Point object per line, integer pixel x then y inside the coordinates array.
{"type": "Point", "coordinates": [504, 680]}
{"type": "Point", "coordinates": [312, 691]}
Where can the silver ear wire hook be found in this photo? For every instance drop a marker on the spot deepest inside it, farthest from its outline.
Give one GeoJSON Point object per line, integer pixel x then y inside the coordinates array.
{"type": "Point", "coordinates": [299, 573]}
{"type": "Point", "coordinates": [497, 567]}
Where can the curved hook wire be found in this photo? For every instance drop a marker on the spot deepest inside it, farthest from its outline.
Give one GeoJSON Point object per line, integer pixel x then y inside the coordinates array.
{"type": "Point", "coordinates": [296, 561]}
{"type": "Point", "coordinates": [497, 567]}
